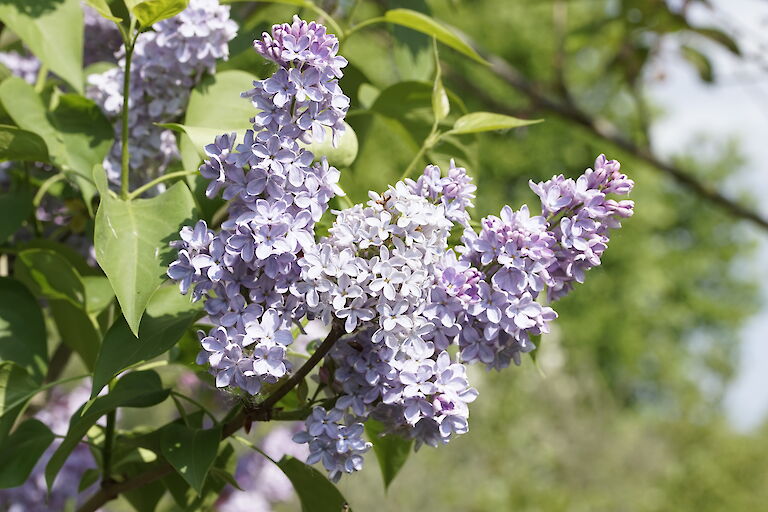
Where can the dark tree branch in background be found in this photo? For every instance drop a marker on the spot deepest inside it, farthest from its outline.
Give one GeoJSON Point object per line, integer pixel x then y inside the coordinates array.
{"type": "Point", "coordinates": [604, 129]}
{"type": "Point", "coordinates": [264, 411]}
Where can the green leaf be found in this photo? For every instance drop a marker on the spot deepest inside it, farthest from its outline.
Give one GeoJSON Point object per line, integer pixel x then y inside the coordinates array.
{"type": "Point", "coordinates": [16, 388]}
{"type": "Point", "coordinates": [427, 25]}
{"type": "Point", "coordinates": [477, 122]}
{"type": "Point", "coordinates": [86, 134]}
{"type": "Point", "coordinates": [53, 31]}
{"type": "Point", "coordinates": [131, 240]}
{"type": "Point", "coordinates": [15, 207]}
{"type": "Point", "coordinates": [342, 155]}
{"type": "Point", "coordinates": [138, 389]}
{"type": "Point", "coordinates": [441, 107]}
{"type": "Point", "coordinates": [77, 134]}
{"type": "Point", "coordinates": [215, 107]}
{"type": "Point", "coordinates": [720, 37]}
{"type": "Point", "coordinates": [168, 315]}
{"type": "Point", "coordinates": [90, 477]}
{"type": "Point", "coordinates": [191, 452]}
{"type": "Point", "coordinates": [316, 493]}
{"type": "Point", "coordinates": [78, 330]}
{"type": "Point", "coordinates": [98, 293]}
{"type": "Point", "coordinates": [145, 498]}
{"type": "Point", "coordinates": [102, 7]}
{"type": "Point", "coordinates": [391, 451]}
{"type": "Point", "coordinates": [189, 499]}
{"type": "Point", "coordinates": [21, 451]}
{"type": "Point", "coordinates": [51, 276]}
{"type": "Point", "coordinates": [699, 61]}
{"type": "Point", "coordinates": [149, 12]}
{"type": "Point", "coordinates": [21, 146]}
{"type": "Point", "coordinates": [410, 101]}
{"type": "Point", "coordinates": [22, 329]}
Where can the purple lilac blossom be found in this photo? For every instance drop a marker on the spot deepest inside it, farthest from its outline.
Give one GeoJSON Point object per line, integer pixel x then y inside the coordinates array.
{"type": "Point", "coordinates": [385, 273]}
{"type": "Point", "coordinates": [246, 270]}
{"type": "Point", "coordinates": [167, 63]}
{"type": "Point", "coordinates": [33, 496]}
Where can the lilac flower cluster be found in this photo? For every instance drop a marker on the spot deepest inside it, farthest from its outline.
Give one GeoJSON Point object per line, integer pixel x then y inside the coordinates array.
{"type": "Point", "coordinates": [587, 216]}
{"type": "Point", "coordinates": [520, 255]}
{"type": "Point", "coordinates": [247, 269]}
{"type": "Point", "coordinates": [167, 63]}
{"type": "Point", "coordinates": [334, 438]}
{"type": "Point", "coordinates": [33, 495]}
{"type": "Point", "coordinates": [386, 275]}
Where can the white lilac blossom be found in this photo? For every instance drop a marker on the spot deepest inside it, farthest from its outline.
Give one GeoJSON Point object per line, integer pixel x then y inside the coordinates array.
{"type": "Point", "coordinates": [246, 270]}
{"type": "Point", "coordinates": [386, 275]}
{"type": "Point", "coordinates": [33, 495]}
{"type": "Point", "coordinates": [167, 63]}
{"type": "Point", "coordinates": [384, 271]}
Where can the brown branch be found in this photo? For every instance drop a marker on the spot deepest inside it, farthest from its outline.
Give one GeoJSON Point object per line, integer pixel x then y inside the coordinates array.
{"type": "Point", "coordinates": [263, 411]}
{"type": "Point", "coordinates": [607, 131]}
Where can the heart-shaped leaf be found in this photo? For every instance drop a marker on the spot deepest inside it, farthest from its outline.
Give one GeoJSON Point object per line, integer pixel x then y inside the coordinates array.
{"type": "Point", "coordinates": [131, 240]}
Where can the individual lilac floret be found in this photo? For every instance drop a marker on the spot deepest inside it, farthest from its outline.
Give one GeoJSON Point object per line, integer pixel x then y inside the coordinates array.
{"type": "Point", "coordinates": [335, 441]}
{"type": "Point", "coordinates": [167, 63]}
{"type": "Point", "coordinates": [245, 272]}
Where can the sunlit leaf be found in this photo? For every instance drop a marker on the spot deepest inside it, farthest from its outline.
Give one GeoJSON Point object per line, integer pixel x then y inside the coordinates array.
{"type": "Point", "coordinates": [149, 12]}
{"type": "Point", "coordinates": [477, 122]}
{"type": "Point", "coordinates": [428, 25]}
{"type": "Point", "coordinates": [53, 31]}
{"type": "Point", "coordinates": [131, 240]}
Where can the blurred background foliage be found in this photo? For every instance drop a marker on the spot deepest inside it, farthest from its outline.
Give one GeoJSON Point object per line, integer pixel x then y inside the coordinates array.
{"type": "Point", "coordinates": [625, 412]}
{"type": "Point", "coordinates": [623, 408]}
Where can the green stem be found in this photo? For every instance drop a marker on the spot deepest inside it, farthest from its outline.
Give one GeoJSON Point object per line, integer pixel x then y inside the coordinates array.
{"type": "Point", "coordinates": [156, 181]}
{"type": "Point", "coordinates": [332, 22]}
{"type": "Point", "coordinates": [109, 438]}
{"type": "Point", "coordinates": [428, 143]}
{"type": "Point", "coordinates": [362, 25]}
{"type": "Point", "coordinates": [42, 74]}
{"type": "Point", "coordinates": [44, 188]}
{"type": "Point", "coordinates": [125, 157]}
